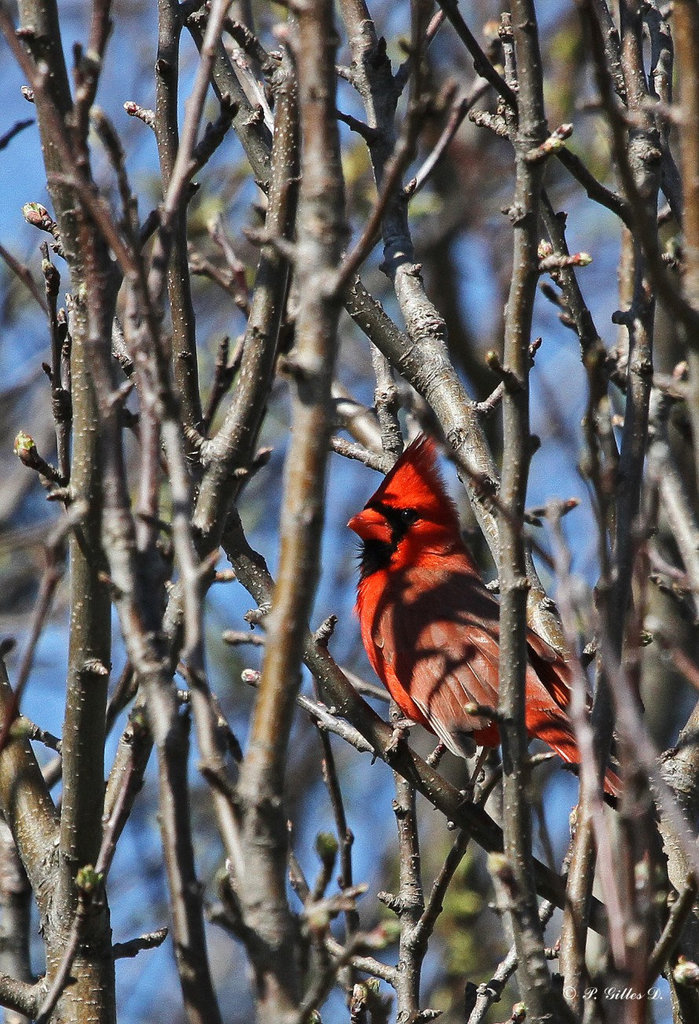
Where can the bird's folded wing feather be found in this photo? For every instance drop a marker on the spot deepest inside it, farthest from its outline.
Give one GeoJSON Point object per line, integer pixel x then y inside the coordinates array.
{"type": "Point", "coordinates": [440, 640]}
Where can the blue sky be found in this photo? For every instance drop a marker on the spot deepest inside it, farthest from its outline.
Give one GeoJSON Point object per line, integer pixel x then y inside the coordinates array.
{"type": "Point", "coordinates": [558, 397]}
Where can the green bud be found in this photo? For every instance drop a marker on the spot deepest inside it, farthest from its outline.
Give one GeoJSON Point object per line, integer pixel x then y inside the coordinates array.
{"type": "Point", "coordinates": [24, 446]}
{"type": "Point", "coordinates": [87, 879]}
{"type": "Point", "coordinates": [326, 846]}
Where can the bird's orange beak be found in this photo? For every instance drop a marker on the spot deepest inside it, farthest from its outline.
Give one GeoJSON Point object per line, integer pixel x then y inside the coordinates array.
{"type": "Point", "coordinates": [369, 524]}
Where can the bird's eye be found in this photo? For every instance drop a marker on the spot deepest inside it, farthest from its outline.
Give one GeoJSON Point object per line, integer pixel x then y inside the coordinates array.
{"type": "Point", "coordinates": [408, 516]}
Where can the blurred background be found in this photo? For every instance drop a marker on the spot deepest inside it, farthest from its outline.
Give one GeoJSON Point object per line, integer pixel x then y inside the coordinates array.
{"type": "Point", "coordinates": [464, 244]}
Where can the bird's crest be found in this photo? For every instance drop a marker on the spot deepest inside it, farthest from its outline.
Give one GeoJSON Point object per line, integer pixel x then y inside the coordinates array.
{"type": "Point", "coordinates": [415, 482]}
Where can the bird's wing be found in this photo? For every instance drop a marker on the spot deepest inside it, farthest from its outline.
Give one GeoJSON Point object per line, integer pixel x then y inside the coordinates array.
{"type": "Point", "coordinates": [439, 636]}
{"type": "Point", "coordinates": [440, 646]}
{"type": "Point", "coordinates": [551, 669]}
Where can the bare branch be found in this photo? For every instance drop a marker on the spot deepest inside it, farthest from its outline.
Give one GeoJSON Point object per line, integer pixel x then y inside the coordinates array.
{"type": "Point", "coordinates": [151, 940]}
{"type": "Point", "coordinates": [534, 979]}
{"type": "Point", "coordinates": [320, 235]}
{"type": "Point", "coordinates": [26, 803]}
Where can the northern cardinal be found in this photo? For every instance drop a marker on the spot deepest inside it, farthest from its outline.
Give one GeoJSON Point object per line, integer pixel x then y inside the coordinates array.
{"type": "Point", "coordinates": [430, 626]}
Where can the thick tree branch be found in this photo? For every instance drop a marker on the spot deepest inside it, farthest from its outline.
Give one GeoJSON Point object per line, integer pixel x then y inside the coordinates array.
{"type": "Point", "coordinates": [27, 806]}
{"type": "Point", "coordinates": [320, 237]}
{"type": "Point", "coordinates": [686, 34]}
{"type": "Point", "coordinates": [533, 974]}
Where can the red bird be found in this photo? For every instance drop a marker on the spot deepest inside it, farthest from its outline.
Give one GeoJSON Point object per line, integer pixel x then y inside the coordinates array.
{"type": "Point", "coordinates": [431, 628]}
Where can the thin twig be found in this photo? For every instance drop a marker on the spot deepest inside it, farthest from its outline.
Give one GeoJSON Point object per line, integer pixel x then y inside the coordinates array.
{"type": "Point", "coordinates": [24, 274]}
{"type": "Point", "coordinates": [490, 991]}
{"type": "Point", "coordinates": [50, 579]}
{"type": "Point", "coordinates": [456, 117]}
{"type": "Point", "coordinates": [671, 934]}
{"type": "Point", "coordinates": [130, 949]}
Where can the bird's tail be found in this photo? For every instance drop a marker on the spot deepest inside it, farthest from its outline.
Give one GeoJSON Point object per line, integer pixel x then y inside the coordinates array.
{"type": "Point", "coordinates": [558, 734]}
{"type": "Point", "coordinates": [550, 721]}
